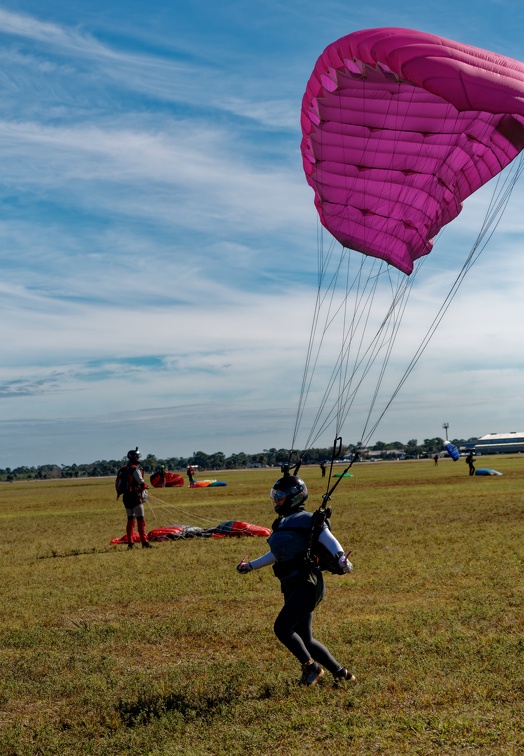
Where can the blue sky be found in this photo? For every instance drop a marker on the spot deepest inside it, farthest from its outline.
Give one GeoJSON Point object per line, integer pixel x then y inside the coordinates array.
{"type": "Point", "coordinates": [158, 238]}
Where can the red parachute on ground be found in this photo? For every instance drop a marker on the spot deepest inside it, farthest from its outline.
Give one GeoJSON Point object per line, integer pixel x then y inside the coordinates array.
{"type": "Point", "coordinates": [165, 479]}
{"type": "Point", "coordinates": [229, 529]}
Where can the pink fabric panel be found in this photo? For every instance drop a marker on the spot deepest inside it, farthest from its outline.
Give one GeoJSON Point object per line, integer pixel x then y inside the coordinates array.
{"type": "Point", "coordinates": [399, 127]}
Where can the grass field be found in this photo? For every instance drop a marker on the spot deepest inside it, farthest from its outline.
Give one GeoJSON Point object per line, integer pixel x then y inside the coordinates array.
{"type": "Point", "coordinates": [170, 651]}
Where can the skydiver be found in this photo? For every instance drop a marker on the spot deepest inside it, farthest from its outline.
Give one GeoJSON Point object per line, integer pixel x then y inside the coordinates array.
{"type": "Point", "coordinates": [134, 496]}
{"type": "Point", "coordinates": [300, 579]}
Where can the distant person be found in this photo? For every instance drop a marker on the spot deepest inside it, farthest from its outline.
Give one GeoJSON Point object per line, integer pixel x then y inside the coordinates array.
{"type": "Point", "coordinates": [131, 485]}
{"type": "Point", "coordinates": [300, 579]}
{"type": "Point", "coordinates": [191, 476]}
{"type": "Point", "coordinates": [435, 459]}
{"type": "Point", "coordinates": [323, 469]}
{"type": "Point", "coordinates": [469, 461]}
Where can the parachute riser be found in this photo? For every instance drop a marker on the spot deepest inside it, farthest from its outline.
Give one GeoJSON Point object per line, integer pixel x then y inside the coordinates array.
{"type": "Point", "coordinates": [337, 448]}
{"type": "Point", "coordinates": [298, 464]}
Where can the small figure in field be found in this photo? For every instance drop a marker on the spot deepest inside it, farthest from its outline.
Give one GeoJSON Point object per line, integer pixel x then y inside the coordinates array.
{"type": "Point", "coordinates": [131, 485]}
{"type": "Point", "coordinates": [435, 459]}
{"type": "Point", "coordinates": [300, 579]}
{"type": "Point", "coordinates": [191, 475]}
{"type": "Point", "coordinates": [323, 469]}
{"type": "Point", "coordinates": [161, 470]}
{"type": "Point", "coordinates": [469, 461]}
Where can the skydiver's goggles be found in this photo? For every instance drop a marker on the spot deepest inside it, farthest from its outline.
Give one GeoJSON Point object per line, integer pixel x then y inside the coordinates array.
{"type": "Point", "coordinates": [278, 497]}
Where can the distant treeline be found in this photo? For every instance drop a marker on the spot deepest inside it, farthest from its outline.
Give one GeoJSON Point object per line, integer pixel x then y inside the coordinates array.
{"type": "Point", "coordinates": [219, 461]}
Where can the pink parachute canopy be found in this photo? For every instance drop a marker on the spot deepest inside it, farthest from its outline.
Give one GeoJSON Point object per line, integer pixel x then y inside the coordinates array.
{"type": "Point", "coordinates": [399, 127]}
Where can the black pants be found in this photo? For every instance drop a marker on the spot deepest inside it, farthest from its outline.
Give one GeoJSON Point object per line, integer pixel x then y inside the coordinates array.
{"type": "Point", "coordinates": [293, 627]}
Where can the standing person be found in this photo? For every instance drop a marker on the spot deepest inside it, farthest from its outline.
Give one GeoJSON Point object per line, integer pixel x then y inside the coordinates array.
{"type": "Point", "coordinates": [469, 461]}
{"type": "Point", "coordinates": [191, 475]}
{"type": "Point", "coordinates": [130, 483]}
{"type": "Point", "coordinates": [300, 579]}
{"type": "Point", "coordinates": [323, 469]}
{"type": "Point", "coordinates": [435, 459]}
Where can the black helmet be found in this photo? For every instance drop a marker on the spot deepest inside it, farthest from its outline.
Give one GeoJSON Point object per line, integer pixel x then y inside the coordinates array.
{"type": "Point", "coordinates": [133, 455]}
{"type": "Point", "coordinates": [288, 493]}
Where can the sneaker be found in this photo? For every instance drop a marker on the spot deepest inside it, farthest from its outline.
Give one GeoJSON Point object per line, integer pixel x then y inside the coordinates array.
{"type": "Point", "coordinates": [146, 545]}
{"type": "Point", "coordinates": [311, 674]}
{"type": "Point", "coordinates": [130, 545]}
{"type": "Point", "coordinates": [343, 675]}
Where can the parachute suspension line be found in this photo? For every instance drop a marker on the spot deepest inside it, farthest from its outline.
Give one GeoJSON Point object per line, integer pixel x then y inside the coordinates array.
{"type": "Point", "coordinates": [366, 354]}
{"type": "Point", "coordinates": [331, 314]}
{"type": "Point", "coordinates": [347, 331]}
{"type": "Point", "coordinates": [337, 447]}
{"type": "Point", "coordinates": [335, 452]}
{"type": "Point", "coordinates": [363, 303]}
{"type": "Point", "coordinates": [394, 319]}
{"type": "Point", "coordinates": [308, 371]}
{"type": "Point", "coordinates": [150, 505]}
{"type": "Point", "coordinates": [493, 216]}
{"type": "Point", "coordinates": [363, 355]}
{"type": "Point", "coordinates": [165, 507]}
{"type": "Point", "coordinates": [328, 321]}
{"type": "Point", "coordinates": [382, 338]}
{"type": "Point", "coordinates": [343, 373]}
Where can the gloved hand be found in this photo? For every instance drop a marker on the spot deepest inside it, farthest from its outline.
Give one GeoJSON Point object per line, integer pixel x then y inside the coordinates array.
{"type": "Point", "coordinates": [244, 567]}
{"type": "Point", "coordinates": [344, 564]}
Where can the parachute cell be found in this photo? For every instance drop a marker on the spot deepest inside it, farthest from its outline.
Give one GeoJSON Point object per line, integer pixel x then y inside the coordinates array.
{"type": "Point", "coordinates": [398, 128]}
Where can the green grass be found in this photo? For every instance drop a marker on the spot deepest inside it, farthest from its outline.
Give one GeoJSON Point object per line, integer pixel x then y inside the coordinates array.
{"type": "Point", "coordinates": [105, 651]}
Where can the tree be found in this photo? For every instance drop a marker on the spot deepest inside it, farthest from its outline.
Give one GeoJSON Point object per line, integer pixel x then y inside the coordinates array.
{"type": "Point", "coordinates": [150, 463]}
{"type": "Point", "coordinates": [433, 445]}
{"type": "Point", "coordinates": [412, 448]}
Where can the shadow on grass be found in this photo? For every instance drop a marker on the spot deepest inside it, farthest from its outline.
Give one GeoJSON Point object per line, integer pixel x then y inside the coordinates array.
{"type": "Point", "coordinates": [194, 704]}
{"type": "Point", "coordinates": [74, 552]}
